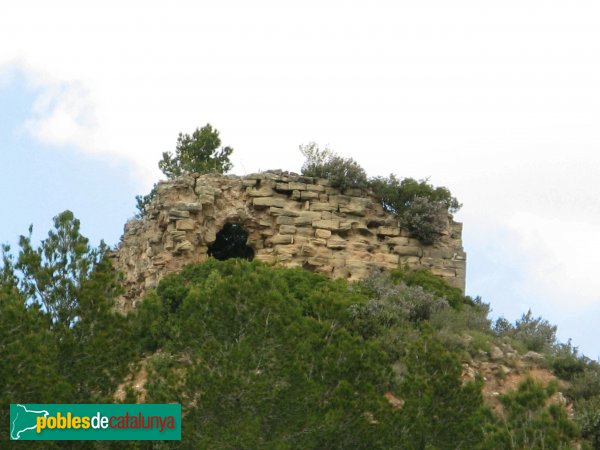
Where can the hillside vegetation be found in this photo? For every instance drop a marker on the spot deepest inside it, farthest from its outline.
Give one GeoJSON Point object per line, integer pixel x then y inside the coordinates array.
{"type": "Point", "coordinates": [262, 357]}
{"type": "Point", "coordinates": [274, 358]}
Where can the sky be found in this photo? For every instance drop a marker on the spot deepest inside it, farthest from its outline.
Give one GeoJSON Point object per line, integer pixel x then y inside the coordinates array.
{"type": "Point", "coordinates": [498, 101]}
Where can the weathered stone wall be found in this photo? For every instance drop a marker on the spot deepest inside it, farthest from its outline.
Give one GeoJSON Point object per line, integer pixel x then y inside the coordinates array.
{"type": "Point", "coordinates": [291, 220]}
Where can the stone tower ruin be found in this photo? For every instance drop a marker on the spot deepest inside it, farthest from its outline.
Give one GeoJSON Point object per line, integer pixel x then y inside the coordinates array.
{"type": "Point", "coordinates": [290, 220]}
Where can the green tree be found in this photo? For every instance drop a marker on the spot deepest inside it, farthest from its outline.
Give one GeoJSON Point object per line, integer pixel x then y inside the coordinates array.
{"type": "Point", "coordinates": [397, 195]}
{"type": "Point", "coordinates": [536, 333]}
{"type": "Point", "coordinates": [588, 419]}
{"type": "Point", "coordinates": [260, 358]}
{"type": "Point", "coordinates": [29, 363]}
{"type": "Point", "coordinates": [142, 201]}
{"type": "Point", "coordinates": [53, 273]}
{"type": "Point", "coordinates": [70, 288]}
{"type": "Point", "coordinates": [199, 153]}
{"type": "Point", "coordinates": [439, 411]}
{"type": "Point", "coordinates": [530, 420]}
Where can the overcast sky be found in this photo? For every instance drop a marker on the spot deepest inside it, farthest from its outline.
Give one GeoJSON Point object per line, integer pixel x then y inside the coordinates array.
{"type": "Point", "coordinates": [499, 101]}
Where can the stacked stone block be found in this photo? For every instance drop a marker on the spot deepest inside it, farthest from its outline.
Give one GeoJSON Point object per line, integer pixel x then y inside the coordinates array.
{"type": "Point", "coordinates": [291, 220]}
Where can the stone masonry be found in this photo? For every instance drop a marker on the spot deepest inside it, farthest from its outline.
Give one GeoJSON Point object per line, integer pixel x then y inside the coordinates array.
{"type": "Point", "coordinates": [291, 220]}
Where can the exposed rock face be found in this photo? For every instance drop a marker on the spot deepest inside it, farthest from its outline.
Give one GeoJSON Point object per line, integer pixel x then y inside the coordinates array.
{"type": "Point", "coordinates": [291, 220]}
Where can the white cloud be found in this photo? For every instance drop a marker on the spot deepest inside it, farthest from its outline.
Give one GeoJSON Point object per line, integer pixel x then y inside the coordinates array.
{"type": "Point", "coordinates": [64, 115]}
{"type": "Point", "coordinates": [499, 102]}
{"type": "Point", "coordinates": [563, 257]}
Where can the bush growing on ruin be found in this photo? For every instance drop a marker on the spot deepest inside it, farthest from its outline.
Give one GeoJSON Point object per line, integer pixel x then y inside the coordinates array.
{"type": "Point", "coordinates": [420, 207]}
{"type": "Point", "coordinates": [397, 195]}
{"type": "Point", "coordinates": [341, 172]}
{"type": "Point", "coordinates": [425, 219]}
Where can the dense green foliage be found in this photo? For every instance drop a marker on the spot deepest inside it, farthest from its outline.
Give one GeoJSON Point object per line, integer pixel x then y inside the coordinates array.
{"type": "Point", "coordinates": [263, 357]}
{"type": "Point", "coordinates": [397, 196]}
{"type": "Point", "coordinates": [60, 339]}
{"type": "Point", "coordinates": [421, 208]}
{"type": "Point", "coordinates": [588, 419]}
{"type": "Point", "coordinates": [439, 410]}
{"type": "Point", "coordinates": [432, 284]}
{"type": "Point", "coordinates": [530, 422]}
{"type": "Point", "coordinates": [266, 355]}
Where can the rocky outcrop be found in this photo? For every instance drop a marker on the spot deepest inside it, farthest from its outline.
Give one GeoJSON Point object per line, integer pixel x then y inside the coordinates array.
{"type": "Point", "coordinates": [291, 220]}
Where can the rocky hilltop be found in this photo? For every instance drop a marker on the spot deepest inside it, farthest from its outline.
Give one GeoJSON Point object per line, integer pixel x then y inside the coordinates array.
{"type": "Point", "coordinates": [291, 220]}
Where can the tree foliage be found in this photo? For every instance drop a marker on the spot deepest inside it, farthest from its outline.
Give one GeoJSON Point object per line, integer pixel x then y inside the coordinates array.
{"type": "Point", "coordinates": [420, 207]}
{"type": "Point", "coordinates": [536, 333]}
{"type": "Point", "coordinates": [439, 411]}
{"type": "Point", "coordinates": [588, 419]}
{"type": "Point", "coordinates": [532, 420]}
{"type": "Point", "coordinates": [432, 284]}
{"type": "Point", "coordinates": [53, 274]}
{"type": "Point", "coordinates": [341, 172]}
{"type": "Point", "coordinates": [143, 201]}
{"type": "Point", "coordinates": [263, 357]}
{"type": "Point", "coordinates": [60, 339]}
{"type": "Point", "coordinates": [268, 361]}
{"type": "Point", "coordinates": [198, 152]}
{"type": "Point", "coordinates": [397, 195]}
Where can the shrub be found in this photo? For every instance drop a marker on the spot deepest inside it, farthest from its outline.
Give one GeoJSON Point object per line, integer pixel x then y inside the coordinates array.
{"type": "Point", "coordinates": [430, 283]}
{"type": "Point", "coordinates": [411, 303]}
{"type": "Point", "coordinates": [566, 362]}
{"type": "Point", "coordinates": [396, 195]}
{"type": "Point", "coordinates": [530, 421]}
{"type": "Point", "coordinates": [464, 319]}
{"type": "Point", "coordinates": [503, 327]}
{"type": "Point", "coordinates": [440, 410]}
{"type": "Point", "coordinates": [425, 219]}
{"type": "Point", "coordinates": [420, 207]}
{"type": "Point", "coordinates": [586, 384]}
{"type": "Point", "coordinates": [342, 173]}
{"type": "Point", "coordinates": [394, 313]}
{"type": "Point", "coordinates": [536, 334]}
{"type": "Point", "coordinates": [479, 342]}
{"type": "Point", "coordinates": [588, 418]}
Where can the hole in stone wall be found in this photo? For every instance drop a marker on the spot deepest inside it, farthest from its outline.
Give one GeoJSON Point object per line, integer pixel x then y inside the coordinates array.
{"type": "Point", "coordinates": [231, 243]}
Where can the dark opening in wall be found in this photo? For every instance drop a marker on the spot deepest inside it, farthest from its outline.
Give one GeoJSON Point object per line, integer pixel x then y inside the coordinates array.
{"type": "Point", "coordinates": [231, 243]}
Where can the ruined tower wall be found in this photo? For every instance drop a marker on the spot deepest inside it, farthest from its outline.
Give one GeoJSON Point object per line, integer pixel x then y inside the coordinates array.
{"type": "Point", "coordinates": [291, 220]}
